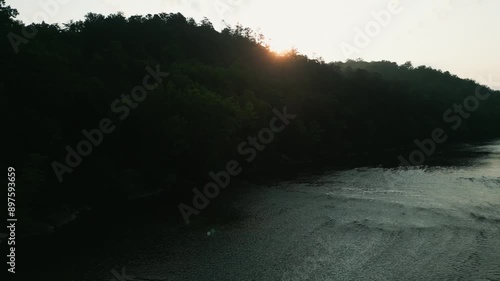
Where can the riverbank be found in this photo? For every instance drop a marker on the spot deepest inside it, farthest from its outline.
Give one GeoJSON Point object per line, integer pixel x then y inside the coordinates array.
{"type": "Point", "coordinates": [166, 201]}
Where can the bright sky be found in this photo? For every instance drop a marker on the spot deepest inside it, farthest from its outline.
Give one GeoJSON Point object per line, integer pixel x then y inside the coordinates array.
{"type": "Point", "coordinates": [456, 35]}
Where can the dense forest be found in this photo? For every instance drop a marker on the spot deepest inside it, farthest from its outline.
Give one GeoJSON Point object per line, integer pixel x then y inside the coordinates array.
{"type": "Point", "coordinates": [222, 87]}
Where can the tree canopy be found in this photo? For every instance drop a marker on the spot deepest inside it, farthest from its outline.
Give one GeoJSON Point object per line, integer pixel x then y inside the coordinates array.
{"type": "Point", "coordinates": [222, 88]}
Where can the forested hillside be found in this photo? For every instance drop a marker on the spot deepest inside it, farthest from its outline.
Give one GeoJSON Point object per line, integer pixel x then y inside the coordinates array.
{"type": "Point", "coordinates": [221, 88]}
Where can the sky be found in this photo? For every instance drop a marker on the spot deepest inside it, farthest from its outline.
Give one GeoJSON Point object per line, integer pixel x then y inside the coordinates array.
{"type": "Point", "coordinates": [459, 36]}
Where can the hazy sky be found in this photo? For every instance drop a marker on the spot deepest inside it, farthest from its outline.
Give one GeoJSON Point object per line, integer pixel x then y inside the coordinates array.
{"type": "Point", "coordinates": [460, 36]}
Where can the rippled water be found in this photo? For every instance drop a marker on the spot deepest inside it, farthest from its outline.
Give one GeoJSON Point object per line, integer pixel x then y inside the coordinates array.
{"type": "Point", "coordinates": [370, 223]}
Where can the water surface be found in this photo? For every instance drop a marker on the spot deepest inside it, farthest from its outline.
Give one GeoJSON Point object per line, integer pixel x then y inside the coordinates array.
{"type": "Point", "coordinates": [435, 222]}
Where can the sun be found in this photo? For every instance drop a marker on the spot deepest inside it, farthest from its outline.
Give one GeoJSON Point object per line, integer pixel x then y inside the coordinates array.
{"type": "Point", "coordinates": [280, 47]}
{"type": "Point", "coordinates": [278, 52]}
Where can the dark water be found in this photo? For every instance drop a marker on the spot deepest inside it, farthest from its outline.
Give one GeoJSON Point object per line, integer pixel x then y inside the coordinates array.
{"type": "Point", "coordinates": [436, 222]}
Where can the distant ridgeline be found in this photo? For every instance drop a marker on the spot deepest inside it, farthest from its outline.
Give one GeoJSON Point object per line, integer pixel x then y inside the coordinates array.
{"type": "Point", "coordinates": [221, 88]}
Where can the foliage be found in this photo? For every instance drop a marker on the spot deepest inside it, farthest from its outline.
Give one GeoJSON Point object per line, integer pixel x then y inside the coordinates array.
{"type": "Point", "coordinates": [222, 88]}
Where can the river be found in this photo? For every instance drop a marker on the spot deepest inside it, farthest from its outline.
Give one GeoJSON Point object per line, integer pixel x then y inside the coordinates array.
{"type": "Point", "coordinates": [435, 222]}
